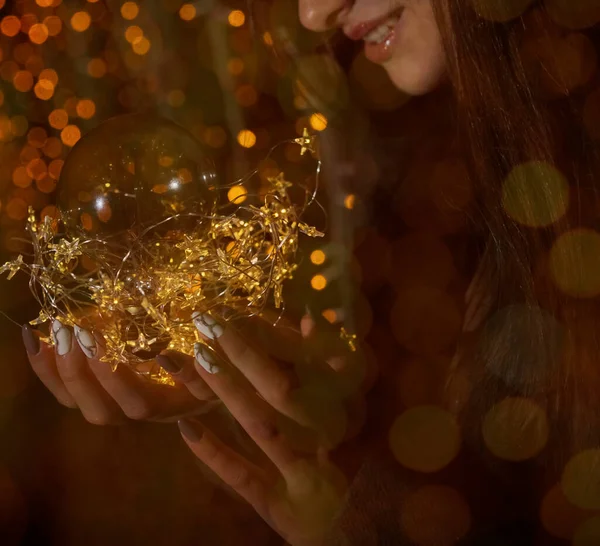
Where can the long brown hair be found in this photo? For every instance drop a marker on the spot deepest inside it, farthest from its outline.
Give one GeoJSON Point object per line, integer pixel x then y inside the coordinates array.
{"type": "Point", "coordinates": [542, 342]}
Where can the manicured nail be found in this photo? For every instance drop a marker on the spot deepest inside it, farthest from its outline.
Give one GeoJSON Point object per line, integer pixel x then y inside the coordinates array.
{"type": "Point", "coordinates": [30, 340]}
{"type": "Point", "coordinates": [206, 358]}
{"type": "Point", "coordinates": [168, 364]}
{"type": "Point", "coordinates": [62, 337]}
{"type": "Point", "coordinates": [190, 429]}
{"type": "Point", "coordinates": [207, 326]}
{"type": "Point", "coordinates": [86, 342]}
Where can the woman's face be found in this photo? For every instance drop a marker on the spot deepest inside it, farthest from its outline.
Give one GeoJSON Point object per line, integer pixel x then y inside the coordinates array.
{"type": "Point", "coordinates": [401, 35]}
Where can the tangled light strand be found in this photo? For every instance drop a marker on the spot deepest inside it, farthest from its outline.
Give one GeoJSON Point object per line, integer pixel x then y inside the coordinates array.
{"type": "Point", "coordinates": [145, 303]}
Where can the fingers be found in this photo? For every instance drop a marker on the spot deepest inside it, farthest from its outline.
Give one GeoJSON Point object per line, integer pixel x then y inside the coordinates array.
{"type": "Point", "coordinates": [238, 473]}
{"type": "Point", "coordinates": [273, 383]}
{"type": "Point", "coordinates": [182, 370]}
{"type": "Point", "coordinates": [43, 363]}
{"type": "Point", "coordinates": [72, 365]}
{"type": "Point", "coordinates": [253, 413]}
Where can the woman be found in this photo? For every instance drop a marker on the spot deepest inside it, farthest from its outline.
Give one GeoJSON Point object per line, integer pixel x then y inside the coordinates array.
{"type": "Point", "coordinates": [519, 411]}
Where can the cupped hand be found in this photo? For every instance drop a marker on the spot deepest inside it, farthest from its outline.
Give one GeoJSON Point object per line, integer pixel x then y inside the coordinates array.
{"type": "Point", "coordinates": [73, 372]}
{"type": "Point", "coordinates": [295, 413]}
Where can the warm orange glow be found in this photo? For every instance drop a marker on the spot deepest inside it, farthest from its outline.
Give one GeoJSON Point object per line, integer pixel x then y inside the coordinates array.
{"type": "Point", "coordinates": [53, 147]}
{"type": "Point", "coordinates": [46, 184]}
{"type": "Point", "coordinates": [246, 138]}
{"type": "Point", "coordinates": [38, 33]}
{"type": "Point", "coordinates": [330, 316]}
{"type": "Point", "coordinates": [10, 25]}
{"type": "Point", "coordinates": [37, 137]}
{"type": "Point", "coordinates": [237, 194]}
{"type": "Point", "coordinates": [70, 135]}
{"type": "Point", "coordinates": [318, 122]}
{"type": "Point", "coordinates": [133, 34]}
{"type": "Point", "coordinates": [187, 12]}
{"type": "Point", "coordinates": [44, 3]}
{"type": "Point", "coordinates": [44, 89]}
{"type": "Point", "coordinates": [96, 68]}
{"type": "Point", "coordinates": [236, 18]}
{"type": "Point", "coordinates": [267, 38]}
{"type": "Point", "coordinates": [19, 125]}
{"type": "Point", "coordinates": [23, 81]}
{"type": "Point", "coordinates": [129, 10]}
{"type": "Point", "coordinates": [175, 98]}
{"type": "Point", "coordinates": [80, 21]}
{"type": "Point", "coordinates": [50, 75]}
{"type": "Point", "coordinates": [16, 209]}
{"type": "Point", "coordinates": [53, 24]}
{"type": "Point", "coordinates": [55, 167]}
{"type": "Point", "coordinates": [37, 169]}
{"type": "Point", "coordinates": [58, 118]}
{"type": "Point", "coordinates": [318, 282]}
{"type": "Point", "coordinates": [86, 108]}
{"type": "Point", "coordinates": [235, 66]}
{"type": "Point", "coordinates": [20, 178]}
{"type": "Point", "coordinates": [350, 201]}
{"type": "Point", "coordinates": [142, 46]}
{"type": "Point", "coordinates": [317, 257]}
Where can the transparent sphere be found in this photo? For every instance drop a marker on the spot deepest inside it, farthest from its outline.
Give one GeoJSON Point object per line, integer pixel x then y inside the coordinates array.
{"type": "Point", "coordinates": [133, 176]}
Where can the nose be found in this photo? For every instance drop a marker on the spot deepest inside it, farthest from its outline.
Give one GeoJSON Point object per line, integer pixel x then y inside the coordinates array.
{"type": "Point", "coordinates": [322, 15]}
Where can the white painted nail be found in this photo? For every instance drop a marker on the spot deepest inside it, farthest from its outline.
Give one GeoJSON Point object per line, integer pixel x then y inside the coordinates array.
{"type": "Point", "coordinates": [206, 359]}
{"type": "Point", "coordinates": [207, 326]}
{"type": "Point", "coordinates": [61, 336]}
{"type": "Point", "coordinates": [86, 341]}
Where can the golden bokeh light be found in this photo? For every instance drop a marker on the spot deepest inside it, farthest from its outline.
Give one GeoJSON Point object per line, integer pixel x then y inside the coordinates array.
{"type": "Point", "coordinates": [350, 201]}
{"type": "Point", "coordinates": [235, 66]}
{"type": "Point", "coordinates": [21, 178]}
{"type": "Point", "coordinates": [80, 21]}
{"type": "Point", "coordinates": [187, 12]}
{"type": "Point", "coordinates": [236, 18]}
{"type": "Point", "coordinates": [558, 516]}
{"type": "Point", "coordinates": [574, 263]}
{"type": "Point", "coordinates": [425, 438]}
{"type": "Point", "coordinates": [435, 515]}
{"type": "Point", "coordinates": [129, 11]}
{"type": "Point", "coordinates": [16, 209]}
{"type": "Point", "coordinates": [23, 81]}
{"type": "Point", "coordinates": [535, 194]}
{"type": "Point", "coordinates": [516, 429]}
{"type": "Point", "coordinates": [580, 480]}
{"type": "Point", "coordinates": [317, 257]}
{"type": "Point", "coordinates": [86, 108]}
{"type": "Point", "coordinates": [53, 147]}
{"type": "Point", "coordinates": [50, 75]}
{"type": "Point", "coordinates": [318, 122]}
{"type": "Point", "coordinates": [38, 33]}
{"type": "Point", "coordinates": [267, 38]}
{"type": "Point", "coordinates": [246, 138]}
{"type": "Point", "coordinates": [10, 26]}
{"type": "Point", "coordinates": [37, 137]}
{"type": "Point", "coordinates": [133, 34]}
{"type": "Point", "coordinates": [318, 282]}
{"type": "Point", "coordinates": [70, 135]}
{"type": "Point", "coordinates": [237, 194]}
{"type": "Point", "coordinates": [37, 169]}
{"type": "Point", "coordinates": [587, 533]}
{"type": "Point", "coordinates": [58, 118]}
{"type": "Point", "coordinates": [142, 46]}
{"type": "Point", "coordinates": [53, 24]}
{"type": "Point", "coordinates": [330, 315]}
{"type": "Point", "coordinates": [44, 89]}
{"type": "Point", "coordinates": [54, 168]}
{"type": "Point", "coordinates": [96, 68]}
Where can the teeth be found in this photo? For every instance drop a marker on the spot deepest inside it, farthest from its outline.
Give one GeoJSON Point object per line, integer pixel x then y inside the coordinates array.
{"type": "Point", "coordinates": [379, 34]}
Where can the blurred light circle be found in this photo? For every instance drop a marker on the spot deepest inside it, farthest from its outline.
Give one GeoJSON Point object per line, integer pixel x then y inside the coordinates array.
{"type": "Point", "coordinates": [425, 438]}
{"type": "Point", "coordinates": [516, 429]}
{"type": "Point", "coordinates": [435, 515]}
{"type": "Point", "coordinates": [559, 517]}
{"type": "Point", "coordinates": [574, 263]}
{"type": "Point", "coordinates": [580, 480]}
{"type": "Point", "coordinates": [535, 194]}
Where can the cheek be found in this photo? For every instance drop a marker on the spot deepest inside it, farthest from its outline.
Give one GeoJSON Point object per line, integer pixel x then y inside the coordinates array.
{"type": "Point", "coordinates": [418, 65]}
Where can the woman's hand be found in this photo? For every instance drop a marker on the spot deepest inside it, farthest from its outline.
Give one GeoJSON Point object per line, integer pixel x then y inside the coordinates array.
{"type": "Point", "coordinates": [294, 414]}
{"type": "Point", "coordinates": [73, 373]}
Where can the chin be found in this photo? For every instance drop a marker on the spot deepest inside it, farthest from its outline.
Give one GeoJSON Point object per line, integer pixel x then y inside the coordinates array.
{"type": "Point", "coordinates": [415, 81]}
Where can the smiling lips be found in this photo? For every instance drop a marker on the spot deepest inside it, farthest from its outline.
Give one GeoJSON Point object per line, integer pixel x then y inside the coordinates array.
{"type": "Point", "coordinates": [379, 36]}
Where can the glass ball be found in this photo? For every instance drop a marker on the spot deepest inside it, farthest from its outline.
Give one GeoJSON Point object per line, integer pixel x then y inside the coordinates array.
{"type": "Point", "coordinates": [135, 176]}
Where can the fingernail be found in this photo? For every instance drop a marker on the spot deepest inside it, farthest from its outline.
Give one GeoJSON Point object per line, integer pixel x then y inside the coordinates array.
{"type": "Point", "coordinates": [86, 342]}
{"type": "Point", "coordinates": [190, 429]}
{"type": "Point", "coordinates": [207, 326]}
{"type": "Point", "coordinates": [206, 358]}
{"type": "Point", "coordinates": [61, 336]}
{"type": "Point", "coordinates": [168, 364]}
{"type": "Point", "coordinates": [30, 340]}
